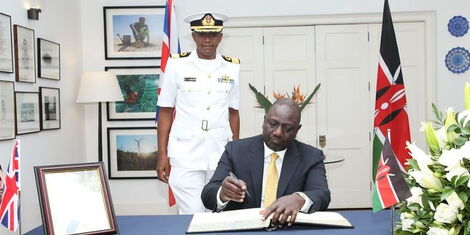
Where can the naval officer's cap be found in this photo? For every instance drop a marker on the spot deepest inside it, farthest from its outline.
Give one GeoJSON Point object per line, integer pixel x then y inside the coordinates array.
{"type": "Point", "coordinates": [206, 22]}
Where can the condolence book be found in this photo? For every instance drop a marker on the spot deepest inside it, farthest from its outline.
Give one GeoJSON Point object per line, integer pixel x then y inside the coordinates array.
{"type": "Point", "coordinates": [250, 219]}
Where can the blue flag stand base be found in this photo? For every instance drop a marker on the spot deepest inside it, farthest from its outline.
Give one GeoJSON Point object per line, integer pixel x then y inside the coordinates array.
{"type": "Point", "coordinates": [392, 213]}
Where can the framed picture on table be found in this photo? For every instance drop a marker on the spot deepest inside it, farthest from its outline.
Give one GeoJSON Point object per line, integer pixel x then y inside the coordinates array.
{"type": "Point", "coordinates": [132, 152]}
{"type": "Point", "coordinates": [6, 51]}
{"type": "Point", "coordinates": [48, 59]}
{"type": "Point", "coordinates": [75, 199]}
{"type": "Point", "coordinates": [133, 32]}
{"type": "Point", "coordinates": [7, 110]}
{"type": "Point", "coordinates": [27, 112]}
{"type": "Point", "coordinates": [139, 87]}
{"type": "Point", "coordinates": [24, 54]}
{"type": "Point", "coordinates": [50, 108]}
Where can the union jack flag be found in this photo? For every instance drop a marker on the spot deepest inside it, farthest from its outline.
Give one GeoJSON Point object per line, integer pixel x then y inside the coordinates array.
{"type": "Point", "coordinates": [9, 207]}
{"type": "Point", "coordinates": [170, 44]}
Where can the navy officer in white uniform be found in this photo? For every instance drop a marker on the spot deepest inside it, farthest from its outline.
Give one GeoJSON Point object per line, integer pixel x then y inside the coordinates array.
{"type": "Point", "coordinates": [199, 102]}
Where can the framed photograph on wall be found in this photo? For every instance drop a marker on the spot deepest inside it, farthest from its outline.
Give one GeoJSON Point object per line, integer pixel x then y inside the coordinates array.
{"type": "Point", "coordinates": [6, 51]}
{"type": "Point", "coordinates": [75, 199]}
{"type": "Point", "coordinates": [27, 112]}
{"type": "Point", "coordinates": [133, 32]}
{"type": "Point", "coordinates": [49, 99]}
{"type": "Point", "coordinates": [139, 87]}
{"type": "Point", "coordinates": [48, 59]}
{"type": "Point", "coordinates": [132, 152]}
{"type": "Point", "coordinates": [24, 54]}
{"type": "Point", "coordinates": [7, 110]}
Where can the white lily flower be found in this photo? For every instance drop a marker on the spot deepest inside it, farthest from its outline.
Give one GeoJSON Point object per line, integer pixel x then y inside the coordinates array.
{"type": "Point", "coordinates": [455, 201]}
{"type": "Point", "coordinates": [464, 115]}
{"type": "Point", "coordinates": [441, 135]}
{"type": "Point", "coordinates": [451, 158]}
{"type": "Point", "coordinates": [424, 176]}
{"type": "Point", "coordinates": [437, 231]}
{"type": "Point", "coordinates": [406, 221]}
{"type": "Point", "coordinates": [465, 150]}
{"type": "Point", "coordinates": [457, 170]}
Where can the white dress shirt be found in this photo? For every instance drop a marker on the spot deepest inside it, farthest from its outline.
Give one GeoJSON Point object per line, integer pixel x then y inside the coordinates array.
{"type": "Point", "coordinates": [267, 160]}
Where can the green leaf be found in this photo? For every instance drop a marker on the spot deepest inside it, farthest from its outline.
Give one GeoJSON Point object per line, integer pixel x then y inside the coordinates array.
{"type": "Point", "coordinates": [446, 193]}
{"type": "Point", "coordinates": [453, 128]}
{"type": "Point", "coordinates": [459, 141]}
{"type": "Point", "coordinates": [265, 103]}
{"type": "Point", "coordinates": [309, 97]}
{"type": "Point", "coordinates": [437, 113]}
{"type": "Point", "coordinates": [414, 164]}
{"type": "Point", "coordinates": [460, 181]}
{"type": "Point", "coordinates": [463, 196]}
{"type": "Point", "coordinates": [467, 229]}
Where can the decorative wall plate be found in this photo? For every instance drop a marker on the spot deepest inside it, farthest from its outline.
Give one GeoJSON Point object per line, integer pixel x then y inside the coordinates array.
{"type": "Point", "coordinates": [458, 60]}
{"type": "Point", "coordinates": [458, 26]}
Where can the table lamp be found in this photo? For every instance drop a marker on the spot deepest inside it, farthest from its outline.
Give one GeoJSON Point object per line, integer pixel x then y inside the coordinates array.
{"type": "Point", "coordinates": [97, 87]}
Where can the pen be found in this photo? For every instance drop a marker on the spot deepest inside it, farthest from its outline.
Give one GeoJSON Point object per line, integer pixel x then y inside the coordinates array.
{"type": "Point", "coordinates": [233, 176]}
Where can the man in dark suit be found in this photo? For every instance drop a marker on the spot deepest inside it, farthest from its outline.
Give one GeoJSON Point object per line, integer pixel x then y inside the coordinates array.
{"type": "Point", "coordinates": [300, 185]}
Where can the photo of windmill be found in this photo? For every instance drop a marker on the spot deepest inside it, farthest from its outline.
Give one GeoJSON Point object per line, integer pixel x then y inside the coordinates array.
{"type": "Point", "coordinates": [136, 152]}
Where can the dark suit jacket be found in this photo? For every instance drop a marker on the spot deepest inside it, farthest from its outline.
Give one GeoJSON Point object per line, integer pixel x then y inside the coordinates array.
{"type": "Point", "coordinates": [303, 170]}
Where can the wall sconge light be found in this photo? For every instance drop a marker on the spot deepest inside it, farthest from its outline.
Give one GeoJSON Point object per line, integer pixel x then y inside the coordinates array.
{"type": "Point", "coordinates": [33, 13]}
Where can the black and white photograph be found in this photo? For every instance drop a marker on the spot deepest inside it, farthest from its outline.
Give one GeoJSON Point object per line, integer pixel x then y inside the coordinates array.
{"type": "Point", "coordinates": [50, 108]}
{"type": "Point", "coordinates": [132, 152]}
{"type": "Point", "coordinates": [24, 54]}
{"type": "Point", "coordinates": [7, 110]}
{"type": "Point", "coordinates": [6, 51]}
{"type": "Point", "coordinates": [48, 59]}
{"type": "Point", "coordinates": [27, 112]}
{"type": "Point", "coordinates": [133, 32]}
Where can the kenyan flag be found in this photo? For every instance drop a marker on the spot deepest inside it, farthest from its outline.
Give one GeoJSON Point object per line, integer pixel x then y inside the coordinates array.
{"type": "Point", "coordinates": [390, 116]}
{"type": "Point", "coordinates": [390, 187]}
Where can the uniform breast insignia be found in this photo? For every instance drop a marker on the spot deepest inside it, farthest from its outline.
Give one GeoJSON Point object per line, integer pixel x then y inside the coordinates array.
{"type": "Point", "coordinates": [225, 79]}
{"type": "Point", "coordinates": [231, 59]}
{"type": "Point", "coordinates": [180, 55]}
{"type": "Point", "coordinates": [189, 79]}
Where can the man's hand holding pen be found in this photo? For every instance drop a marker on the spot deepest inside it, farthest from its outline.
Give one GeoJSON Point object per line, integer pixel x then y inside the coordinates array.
{"type": "Point", "coordinates": [233, 189]}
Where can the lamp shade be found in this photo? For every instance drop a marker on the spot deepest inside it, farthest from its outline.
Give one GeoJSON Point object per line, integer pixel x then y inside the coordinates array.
{"type": "Point", "coordinates": [99, 87]}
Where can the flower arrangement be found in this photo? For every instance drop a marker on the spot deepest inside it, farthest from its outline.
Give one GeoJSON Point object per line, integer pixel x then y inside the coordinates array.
{"type": "Point", "coordinates": [296, 96]}
{"type": "Point", "coordinates": [439, 178]}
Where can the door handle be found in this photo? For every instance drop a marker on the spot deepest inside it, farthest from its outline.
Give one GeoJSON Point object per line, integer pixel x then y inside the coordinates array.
{"type": "Point", "coordinates": [322, 141]}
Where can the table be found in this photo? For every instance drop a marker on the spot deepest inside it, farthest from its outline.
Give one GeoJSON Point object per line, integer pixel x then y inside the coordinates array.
{"type": "Point", "coordinates": [364, 221]}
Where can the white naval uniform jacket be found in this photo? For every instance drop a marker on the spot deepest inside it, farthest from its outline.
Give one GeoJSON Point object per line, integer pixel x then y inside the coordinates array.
{"type": "Point", "coordinates": [201, 99]}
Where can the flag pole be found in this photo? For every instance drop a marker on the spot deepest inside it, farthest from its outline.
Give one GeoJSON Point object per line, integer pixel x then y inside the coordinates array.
{"type": "Point", "coordinates": [18, 139]}
{"type": "Point", "coordinates": [392, 209]}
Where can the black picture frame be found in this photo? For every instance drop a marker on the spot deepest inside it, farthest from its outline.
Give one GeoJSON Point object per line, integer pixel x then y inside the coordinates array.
{"type": "Point", "coordinates": [132, 152]}
{"type": "Point", "coordinates": [27, 113]}
{"type": "Point", "coordinates": [118, 34]}
{"type": "Point", "coordinates": [7, 110]}
{"type": "Point", "coordinates": [48, 59]}
{"type": "Point", "coordinates": [49, 99]}
{"type": "Point", "coordinates": [25, 59]}
{"type": "Point", "coordinates": [139, 86]}
{"type": "Point", "coordinates": [75, 192]}
{"type": "Point", "coordinates": [6, 44]}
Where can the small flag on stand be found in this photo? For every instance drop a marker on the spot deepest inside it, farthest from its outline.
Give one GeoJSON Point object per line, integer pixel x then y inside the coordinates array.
{"type": "Point", "coordinates": [9, 206]}
{"type": "Point", "coordinates": [390, 187]}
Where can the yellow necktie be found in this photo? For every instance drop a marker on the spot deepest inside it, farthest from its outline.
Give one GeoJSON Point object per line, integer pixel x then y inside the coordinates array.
{"type": "Point", "coordinates": [271, 182]}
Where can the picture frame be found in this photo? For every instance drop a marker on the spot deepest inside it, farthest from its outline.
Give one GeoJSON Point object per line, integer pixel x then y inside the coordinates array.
{"type": "Point", "coordinates": [139, 86]}
{"type": "Point", "coordinates": [7, 110]}
{"type": "Point", "coordinates": [24, 54]}
{"type": "Point", "coordinates": [133, 32]}
{"type": "Point", "coordinates": [49, 98]}
{"type": "Point", "coordinates": [6, 44]}
{"type": "Point", "coordinates": [67, 195]}
{"type": "Point", "coordinates": [132, 152]}
{"type": "Point", "coordinates": [27, 112]}
{"type": "Point", "coordinates": [48, 59]}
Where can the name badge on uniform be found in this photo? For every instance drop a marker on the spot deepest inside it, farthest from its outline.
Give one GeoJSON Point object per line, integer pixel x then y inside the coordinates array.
{"type": "Point", "coordinates": [225, 79]}
{"type": "Point", "coordinates": [189, 79]}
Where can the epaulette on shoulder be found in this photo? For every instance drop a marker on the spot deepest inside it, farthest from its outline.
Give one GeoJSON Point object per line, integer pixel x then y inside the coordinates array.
{"type": "Point", "coordinates": [231, 59]}
{"type": "Point", "coordinates": [180, 55]}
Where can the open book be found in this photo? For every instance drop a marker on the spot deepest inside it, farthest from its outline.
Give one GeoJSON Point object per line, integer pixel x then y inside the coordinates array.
{"type": "Point", "coordinates": [250, 219]}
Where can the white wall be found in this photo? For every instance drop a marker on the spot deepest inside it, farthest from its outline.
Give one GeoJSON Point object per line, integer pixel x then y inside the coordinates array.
{"type": "Point", "coordinates": [58, 22]}
{"type": "Point", "coordinates": [78, 27]}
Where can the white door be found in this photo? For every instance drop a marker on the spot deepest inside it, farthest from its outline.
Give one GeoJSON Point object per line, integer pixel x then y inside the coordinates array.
{"type": "Point", "coordinates": [347, 58]}
{"type": "Point", "coordinates": [343, 111]}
